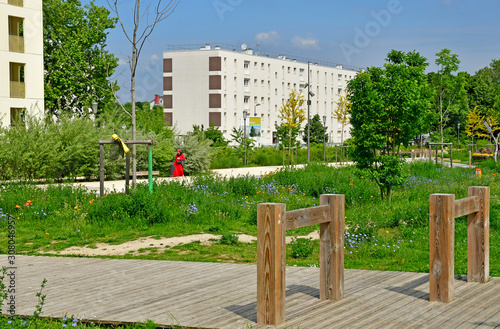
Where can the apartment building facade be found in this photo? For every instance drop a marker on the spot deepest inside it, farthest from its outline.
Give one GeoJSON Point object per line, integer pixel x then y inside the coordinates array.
{"type": "Point", "coordinates": [214, 85]}
{"type": "Point", "coordinates": [21, 59]}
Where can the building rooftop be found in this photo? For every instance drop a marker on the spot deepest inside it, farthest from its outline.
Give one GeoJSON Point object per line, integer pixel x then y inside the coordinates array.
{"type": "Point", "coordinates": [258, 52]}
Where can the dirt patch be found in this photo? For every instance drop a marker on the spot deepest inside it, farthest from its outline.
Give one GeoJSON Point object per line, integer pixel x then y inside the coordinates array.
{"type": "Point", "coordinates": [105, 249]}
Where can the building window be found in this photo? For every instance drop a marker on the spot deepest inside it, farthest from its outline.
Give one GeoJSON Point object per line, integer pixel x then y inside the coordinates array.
{"type": "Point", "coordinates": [16, 35]}
{"type": "Point", "coordinates": [255, 82]}
{"type": "Point", "coordinates": [262, 66]}
{"type": "Point", "coordinates": [16, 115]}
{"type": "Point", "coordinates": [246, 84]}
{"type": "Point", "coordinates": [167, 65]}
{"type": "Point", "coordinates": [19, 3]}
{"type": "Point", "coordinates": [245, 67]}
{"type": "Point", "coordinates": [214, 64]}
{"type": "Point", "coordinates": [17, 85]}
{"type": "Point", "coordinates": [246, 102]}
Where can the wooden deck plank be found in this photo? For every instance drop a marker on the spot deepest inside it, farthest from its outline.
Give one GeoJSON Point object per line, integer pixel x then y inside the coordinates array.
{"type": "Point", "coordinates": [211, 295]}
{"type": "Point", "coordinates": [459, 305]}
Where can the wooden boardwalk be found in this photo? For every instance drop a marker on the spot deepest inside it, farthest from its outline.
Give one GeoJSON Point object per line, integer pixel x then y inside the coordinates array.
{"type": "Point", "coordinates": [214, 295]}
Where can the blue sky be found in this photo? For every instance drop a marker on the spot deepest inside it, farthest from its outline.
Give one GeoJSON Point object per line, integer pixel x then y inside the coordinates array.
{"type": "Point", "coordinates": [358, 32]}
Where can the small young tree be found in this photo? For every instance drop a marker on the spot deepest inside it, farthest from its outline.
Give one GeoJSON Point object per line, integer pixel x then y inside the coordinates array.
{"type": "Point", "coordinates": [292, 114]}
{"type": "Point", "coordinates": [342, 113]}
{"type": "Point", "coordinates": [448, 88]}
{"type": "Point", "coordinates": [143, 24]}
{"type": "Point", "coordinates": [239, 140]}
{"type": "Point", "coordinates": [389, 108]}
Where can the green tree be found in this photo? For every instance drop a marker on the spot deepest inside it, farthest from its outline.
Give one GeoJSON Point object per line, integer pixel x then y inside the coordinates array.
{"type": "Point", "coordinates": [76, 61]}
{"type": "Point", "coordinates": [389, 107]}
{"type": "Point", "coordinates": [292, 114]}
{"type": "Point", "coordinates": [317, 131]}
{"type": "Point", "coordinates": [486, 88]}
{"type": "Point", "coordinates": [448, 88]}
{"type": "Point", "coordinates": [215, 135]}
{"type": "Point", "coordinates": [342, 113]}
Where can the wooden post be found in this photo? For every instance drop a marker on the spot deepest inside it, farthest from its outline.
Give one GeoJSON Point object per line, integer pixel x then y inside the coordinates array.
{"type": "Point", "coordinates": [271, 229]}
{"type": "Point", "coordinates": [451, 156]}
{"type": "Point", "coordinates": [331, 282]}
{"type": "Point", "coordinates": [101, 170]}
{"type": "Point", "coordinates": [127, 172]}
{"type": "Point", "coordinates": [478, 237]}
{"type": "Point", "coordinates": [442, 247]}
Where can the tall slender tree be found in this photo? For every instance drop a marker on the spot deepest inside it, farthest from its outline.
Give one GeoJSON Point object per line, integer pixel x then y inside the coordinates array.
{"type": "Point", "coordinates": [448, 87]}
{"type": "Point", "coordinates": [292, 114]}
{"type": "Point", "coordinates": [145, 18]}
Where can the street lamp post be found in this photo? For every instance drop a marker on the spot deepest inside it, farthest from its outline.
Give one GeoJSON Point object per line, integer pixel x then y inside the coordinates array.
{"type": "Point", "coordinates": [308, 106]}
{"type": "Point", "coordinates": [245, 115]}
{"type": "Point", "coordinates": [324, 138]}
{"type": "Point", "coordinates": [458, 135]}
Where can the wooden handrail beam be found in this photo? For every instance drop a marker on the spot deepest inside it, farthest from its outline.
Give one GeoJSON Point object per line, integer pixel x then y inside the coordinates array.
{"type": "Point", "coordinates": [466, 206]}
{"type": "Point", "coordinates": [307, 216]}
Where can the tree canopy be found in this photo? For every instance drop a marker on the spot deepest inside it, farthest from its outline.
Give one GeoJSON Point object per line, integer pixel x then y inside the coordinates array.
{"type": "Point", "coordinates": [76, 62]}
{"type": "Point", "coordinates": [389, 107]}
{"type": "Point", "coordinates": [317, 132]}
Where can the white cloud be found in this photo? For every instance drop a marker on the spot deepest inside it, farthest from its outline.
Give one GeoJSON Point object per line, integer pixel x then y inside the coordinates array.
{"type": "Point", "coordinates": [305, 43]}
{"type": "Point", "coordinates": [154, 59]}
{"type": "Point", "coordinates": [267, 37]}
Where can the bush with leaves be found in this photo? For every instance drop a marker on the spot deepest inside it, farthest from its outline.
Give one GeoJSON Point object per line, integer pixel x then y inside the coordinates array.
{"type": "Point", "coordinates": [196, 149]}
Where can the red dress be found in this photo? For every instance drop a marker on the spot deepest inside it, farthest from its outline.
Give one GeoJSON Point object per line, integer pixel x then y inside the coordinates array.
{"type": "Point", "coordinates": [179, 170]}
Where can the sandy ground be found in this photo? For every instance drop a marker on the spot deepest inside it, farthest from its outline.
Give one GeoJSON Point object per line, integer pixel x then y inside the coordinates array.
{"type": "Point", "coordinates": [132, 247]}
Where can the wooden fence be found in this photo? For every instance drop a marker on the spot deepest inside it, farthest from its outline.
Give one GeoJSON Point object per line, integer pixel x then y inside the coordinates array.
{"type": "Point", "coordinates": [272, 223]}
{"type": "Point", "coordinates": [443, 209]}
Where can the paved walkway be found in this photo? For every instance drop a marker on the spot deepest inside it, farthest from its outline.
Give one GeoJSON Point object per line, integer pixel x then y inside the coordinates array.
{"type": "Point", "coordinates": [119, 185]}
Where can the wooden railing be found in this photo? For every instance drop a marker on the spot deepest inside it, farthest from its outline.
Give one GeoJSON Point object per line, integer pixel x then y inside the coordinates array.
{"type": "Point", "coordinates": [272, 223]}
{"type": "Point", "coordinates": [443, 209]}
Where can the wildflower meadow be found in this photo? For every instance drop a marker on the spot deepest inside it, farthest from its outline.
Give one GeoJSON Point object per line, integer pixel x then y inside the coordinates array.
{"type": "Point", "coordinates": [379, 234]}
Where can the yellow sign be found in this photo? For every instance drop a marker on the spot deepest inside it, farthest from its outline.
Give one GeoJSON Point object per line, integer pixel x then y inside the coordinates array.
{"type": "Point", "coordinates": [255, 121]}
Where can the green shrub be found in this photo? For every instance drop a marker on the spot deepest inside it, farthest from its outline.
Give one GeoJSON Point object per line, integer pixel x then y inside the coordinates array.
{"type": "Point", "coordinates": [196, 149]}
{"type": "Point", "coordinates": [302, 248]}
{"type": "Point", "coordinates": [229, 239]}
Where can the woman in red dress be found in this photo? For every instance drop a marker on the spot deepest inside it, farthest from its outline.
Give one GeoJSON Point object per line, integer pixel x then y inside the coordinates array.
{"type": "Point", "coordinates": [179, 164]}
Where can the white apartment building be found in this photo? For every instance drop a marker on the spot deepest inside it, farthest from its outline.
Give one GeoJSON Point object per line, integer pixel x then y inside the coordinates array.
{"type": "Point", "coordinates": [21, 59]}
{"type": "Point", "coordinates": [212, 85]}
